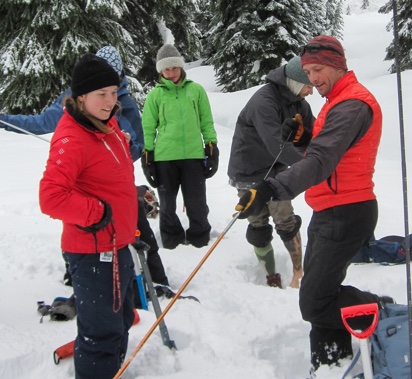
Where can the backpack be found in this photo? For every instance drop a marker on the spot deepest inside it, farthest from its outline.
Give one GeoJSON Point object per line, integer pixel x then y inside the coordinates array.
{"type": "Point", "coordinates": [387, 250]}
{"type": "Point", "coordinates": [390, 343]}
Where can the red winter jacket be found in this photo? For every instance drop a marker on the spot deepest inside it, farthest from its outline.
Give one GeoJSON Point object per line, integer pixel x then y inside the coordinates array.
{"type": "Point", "coordinates": [351, 181]}
{"type": "Point", "coordinates": [83, 167]}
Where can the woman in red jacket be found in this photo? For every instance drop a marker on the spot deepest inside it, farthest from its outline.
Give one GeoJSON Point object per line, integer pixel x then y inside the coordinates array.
{"type": "Point", "coordinates": [89, 185]}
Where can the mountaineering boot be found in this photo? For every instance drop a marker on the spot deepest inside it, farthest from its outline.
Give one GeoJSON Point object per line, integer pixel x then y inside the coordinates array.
{"type": "Point", "coordinates": [274, 280]}
{"type": "Point", "coordinates": [294, 247]}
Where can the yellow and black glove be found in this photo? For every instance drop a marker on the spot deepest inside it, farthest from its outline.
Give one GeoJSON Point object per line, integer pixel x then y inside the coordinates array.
{"type": "Point", "coordinates": [253, 201]}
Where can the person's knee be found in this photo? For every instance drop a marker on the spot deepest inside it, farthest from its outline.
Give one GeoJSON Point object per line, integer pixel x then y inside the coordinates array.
{"type": "Point", "coordinates": [260, 236]}
{"type": "Point", "coordinates": [307, 305]}
{"type": "Point", "coordinates": [286, 235]}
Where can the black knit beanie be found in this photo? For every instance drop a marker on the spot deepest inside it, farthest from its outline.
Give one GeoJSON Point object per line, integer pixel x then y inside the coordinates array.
{"type": "Point", "coordinates": [92, 73]}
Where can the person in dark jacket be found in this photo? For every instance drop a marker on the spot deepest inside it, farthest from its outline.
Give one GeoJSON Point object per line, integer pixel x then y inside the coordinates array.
{"type": "Point", "coordinates": [99, 221]}
{"type": "Point", "coordinates": [336, 173]}
{"type": "Point", "coordinates": [130, 122]}
{"type": "Point", "coordinates": [257, 143]}
{"type": "Point", "coordinates": [180, 149]}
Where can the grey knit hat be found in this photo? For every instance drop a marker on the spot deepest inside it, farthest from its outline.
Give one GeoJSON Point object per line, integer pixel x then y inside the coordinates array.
{"type": "Point", "coordinates": [168, 56]}
{"type": "Point", "coordinates": [112, 56]}
{"type": "Point", "coordinates": [294, 71]}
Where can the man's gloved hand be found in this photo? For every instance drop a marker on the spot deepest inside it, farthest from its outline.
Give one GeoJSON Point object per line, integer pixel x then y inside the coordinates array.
{"type": "Point", "coordinates": [292, 129]}
{"type": "Point", "coordinates": [104, 221]}
{"type": "Point", "coordinates": [212, 159]}
{"type": "Point", "coordinates": [149, 169]}
{"type": "Point", "coordinates": [253, 201]}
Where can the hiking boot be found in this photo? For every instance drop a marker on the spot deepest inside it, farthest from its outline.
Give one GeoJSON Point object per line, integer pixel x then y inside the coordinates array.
{"type": "Point", "coordinates": [274, 280]}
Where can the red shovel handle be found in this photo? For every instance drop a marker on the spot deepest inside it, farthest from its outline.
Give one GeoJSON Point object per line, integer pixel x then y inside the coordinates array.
{"type": "Point", "coordinates": [361, 310]}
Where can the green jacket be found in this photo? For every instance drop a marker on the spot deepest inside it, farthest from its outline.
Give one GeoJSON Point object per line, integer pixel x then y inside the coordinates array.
{"type": "Point", "coordinates": [177, 121]}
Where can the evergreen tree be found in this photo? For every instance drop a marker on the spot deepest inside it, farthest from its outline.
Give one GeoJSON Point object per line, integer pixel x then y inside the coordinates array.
{"type": "Point", "coordinates": [334, 18]}
{"type": "Point", "coordinates": [404, 20]}
{"type": "Point", "coordinates": [314, 17]}
{"type": "Point", "coordinates": [251, 37]}
{"type": "Point", "coordinates": [151, 24]}
{"type": "Point", "coordinates": [365, 4]}
{"type": "Point", "coordinates": [41, 40]}
{"type": "Point", "coordinates": [179, 16]}
{"type": "Point", "coordinates": [203, 18]}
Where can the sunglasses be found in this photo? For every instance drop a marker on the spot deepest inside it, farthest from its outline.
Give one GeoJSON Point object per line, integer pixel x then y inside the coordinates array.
{"type": "Point", "coordinates": [315, 48]}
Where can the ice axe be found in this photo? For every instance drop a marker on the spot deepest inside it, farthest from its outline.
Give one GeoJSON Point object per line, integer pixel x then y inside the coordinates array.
{"type": "Point", "coordinates": [178, 293]}
{"type": "Point", "coordinates": [356, 311]}
{"type": "Point", "coordinates": [297, 118]}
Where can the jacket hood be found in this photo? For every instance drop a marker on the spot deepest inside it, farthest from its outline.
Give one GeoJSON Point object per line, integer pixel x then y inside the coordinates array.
{"type": "Point", "coordinates": [122, 90]}
{"type": "Point", "coordinates": [277, 77]}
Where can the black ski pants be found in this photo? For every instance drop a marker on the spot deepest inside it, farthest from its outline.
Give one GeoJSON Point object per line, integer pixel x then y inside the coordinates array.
{"type": "Point", "coordinates": [335, 235]}
{"type": "Point", "coordinates": [188, 175]}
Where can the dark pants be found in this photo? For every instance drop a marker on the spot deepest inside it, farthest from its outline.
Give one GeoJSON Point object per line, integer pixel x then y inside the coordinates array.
{"type": "Point", "coordinates": [335, 235]}
{"type": "Point", "coordinates": [189, 176]}
{"type": "Point", "coordinates": [102, 334]}
{"type": "Point", "coordinates": [154, 262]}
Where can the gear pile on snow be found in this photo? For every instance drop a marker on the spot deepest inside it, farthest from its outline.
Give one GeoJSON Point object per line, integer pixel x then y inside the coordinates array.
{"type": "Point", "coordinates": [62, 309]}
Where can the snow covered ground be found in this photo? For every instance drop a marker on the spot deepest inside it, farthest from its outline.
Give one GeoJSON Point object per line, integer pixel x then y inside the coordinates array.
{"type": "Point", "coordinates": [241, 328]}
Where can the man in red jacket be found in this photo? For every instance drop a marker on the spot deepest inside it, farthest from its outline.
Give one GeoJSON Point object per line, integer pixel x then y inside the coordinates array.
{"type": "Point", "coordinates": [336, 174]}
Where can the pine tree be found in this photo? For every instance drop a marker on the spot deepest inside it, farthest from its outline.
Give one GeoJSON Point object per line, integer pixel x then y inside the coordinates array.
{"type": "Point", "coordinates": [314, 17]}
{"type": "Point", "coordinates": [404, 20]}
{"type": "Point", "coordinates": [365, 4]}
{"type": "Point", "coordinates": [151, 24]}
{"type": "Point", "coordinates": [178, 16]}
{"type": "Point", "coordinates": [334, 18]}
{"type": "Point", "coordinates": [41, 40]}
{"type": "Point", "coordinates": [203, 18]}
{"type": "Point", "coordinates": [252, 37]}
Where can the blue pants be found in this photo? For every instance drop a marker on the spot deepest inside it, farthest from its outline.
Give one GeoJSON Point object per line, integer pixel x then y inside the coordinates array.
{"type": "Point", "coordinates": [102, 334]}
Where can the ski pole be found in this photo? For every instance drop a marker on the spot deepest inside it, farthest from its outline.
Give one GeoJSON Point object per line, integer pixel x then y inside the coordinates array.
{"type": "Point", "coordinates": [404, 176]}
{"type": "Point", "coordinates": [362, 310]}
{"type": "Point", "coordinates": [24, 131]}
{"type": "Point", "coordinates": [178, 293]}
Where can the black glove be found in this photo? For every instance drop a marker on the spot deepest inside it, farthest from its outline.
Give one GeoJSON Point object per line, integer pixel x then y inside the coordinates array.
{"type": "Point", "coordinates": [149, 169]}
{"type": "Point", "coordinates": [104, 221]}
{"type": "Point", "coordinates": [292, 129]}
{"type": "Point", "coordinates": [212, 159]}
{"type": "Point", "coordinates": [253, 201]}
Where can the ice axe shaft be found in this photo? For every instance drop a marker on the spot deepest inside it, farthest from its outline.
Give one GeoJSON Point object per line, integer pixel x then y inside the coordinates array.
{"type": "Point", "coordinates": [297, 118]}
{"type": "Point", "coordinates": [178, 293]}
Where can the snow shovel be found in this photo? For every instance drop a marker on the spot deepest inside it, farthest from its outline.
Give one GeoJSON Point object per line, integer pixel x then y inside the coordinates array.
{"type": "Point", "coordinates": [356, 311]}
